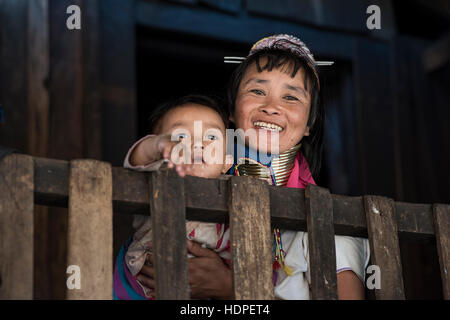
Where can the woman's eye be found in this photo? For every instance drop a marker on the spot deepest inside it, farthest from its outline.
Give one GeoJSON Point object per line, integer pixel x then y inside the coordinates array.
{"type": "Point", "coordinates": [181, 136]}
{"type": "Point", "coordinates": [257, 91]}
{"type": "Point", "coordinates": [291, 98]}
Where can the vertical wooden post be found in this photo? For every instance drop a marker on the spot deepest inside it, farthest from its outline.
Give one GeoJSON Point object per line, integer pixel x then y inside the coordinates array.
{"type": "Point", "coordinates": [90, 238]}
{"type": "Point", "coordinates": [168, 214]}
{"type": "Point", "coordinates": [251, 239]}
{"type": "Point", "coordinates": [16, 227]}
{"type": "Point", "coordinates": [441, 215]}
{"type": "Point", "coordinates": [38, 101]}
{"type": "Point", "coordinates": [384, 246]}
{"type": "Point", "coordinates": [322, 250]}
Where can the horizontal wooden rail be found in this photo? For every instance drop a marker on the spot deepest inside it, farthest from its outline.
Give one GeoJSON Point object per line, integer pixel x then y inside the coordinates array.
{"type": "Point", "coordinates": [207, 200]}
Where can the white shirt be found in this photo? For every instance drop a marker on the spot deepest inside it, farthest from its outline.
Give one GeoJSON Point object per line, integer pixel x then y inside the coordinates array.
{"type": "Point", "coordinates": [351, 254]}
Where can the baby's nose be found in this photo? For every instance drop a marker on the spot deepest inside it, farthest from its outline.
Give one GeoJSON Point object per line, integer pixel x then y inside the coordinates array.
{"type": "Point", "coordinates": [197, 153]}
{"type": "Point", "coordinates": [198, 146]}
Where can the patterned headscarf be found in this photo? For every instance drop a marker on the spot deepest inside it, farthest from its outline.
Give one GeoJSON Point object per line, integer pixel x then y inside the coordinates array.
{"type": "Point", "coordinates": [290, 44]}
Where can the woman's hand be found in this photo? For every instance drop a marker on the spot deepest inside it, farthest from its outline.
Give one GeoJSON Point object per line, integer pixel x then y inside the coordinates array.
{"type": "Point", "coordinates": [209, 277]}
{"type": "Point", "coordinates": [147, 276]}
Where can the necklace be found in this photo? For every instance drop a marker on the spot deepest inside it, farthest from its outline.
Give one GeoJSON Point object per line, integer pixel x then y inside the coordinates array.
{"type": "Point", "coordinates": [277, 174]}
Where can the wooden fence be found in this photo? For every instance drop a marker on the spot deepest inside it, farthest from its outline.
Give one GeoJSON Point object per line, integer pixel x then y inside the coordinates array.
{"type": "Point", "coordinates": [92, 190]}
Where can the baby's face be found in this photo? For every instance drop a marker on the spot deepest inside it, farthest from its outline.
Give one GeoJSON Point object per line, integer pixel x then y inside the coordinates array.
{"type": "Point", "coordinates": [272, 102]}
{"type": "Point", "coordinates": [201, 132]}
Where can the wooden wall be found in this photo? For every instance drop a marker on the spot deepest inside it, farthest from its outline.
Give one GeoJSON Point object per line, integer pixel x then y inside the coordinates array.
{"type": "Point", "coordinates": [66, 94]}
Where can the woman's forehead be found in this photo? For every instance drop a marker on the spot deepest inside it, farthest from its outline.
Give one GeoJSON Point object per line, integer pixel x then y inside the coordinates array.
{"type": "Point", "coordinates": [287, 69]}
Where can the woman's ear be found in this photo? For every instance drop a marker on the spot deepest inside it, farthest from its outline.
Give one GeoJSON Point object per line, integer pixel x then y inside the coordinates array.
{"type": "Point", "coordinates": [306, 131]}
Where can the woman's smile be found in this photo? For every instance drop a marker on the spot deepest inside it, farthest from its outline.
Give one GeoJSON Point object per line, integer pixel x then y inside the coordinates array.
{"type": "Point", "coordinates": [267, 126]}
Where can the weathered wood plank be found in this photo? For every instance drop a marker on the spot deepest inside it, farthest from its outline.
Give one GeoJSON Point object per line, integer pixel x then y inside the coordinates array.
{"type": "Point", "coordinates": [13, 74]}
{"type": "Point", "coordinates": [322, 250]}
{"type": "Point", "coordinates": [167, 202]}
{"type": "Point", "coordinates": [37, 75]}
{"type": "Point", "coordinates": [92, 113]}
{"type": "Point", "coordinates": [343, 15]}
{"type": "Point", "coordinates": [244, 29]}
{"type": "Point", "coordinates": [38, 68]}
{"type": "Point", "coordinates": [66, 84]}
{"type": "Point", "coordinates": [16, 227]}
{"type": "Point", "coordinates": [441, 215]}
{"type": "Point", "coordinates": [206, 200]}
{"type": "Point", "coordinates": [90, 236]}
{"type": "Point", "coordinates": [117, 78]}
{"type": "Point", "coordinates": [251, 239]}
{"type": "Point", "coordinates": [231, 6]}
{"type": "Point", "coordinates": [65, 139]}
{"type": "Point", "coordinates": [384, 246]}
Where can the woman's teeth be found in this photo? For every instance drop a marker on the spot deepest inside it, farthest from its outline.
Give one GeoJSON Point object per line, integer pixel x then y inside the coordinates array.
{"type": "Point", "coordinates": [267, 126]}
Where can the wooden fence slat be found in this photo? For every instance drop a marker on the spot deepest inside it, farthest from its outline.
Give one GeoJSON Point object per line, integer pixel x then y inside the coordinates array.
{"type": "Point", "coordinates": [441, 215]}
{"type": "Point", "coordinates": [16, 227]}
{"type": "Point", "coordinates": [90, 229]}
{"type": "Point", "coordinates": [384, 246]}
{"type": "Point", "coordinates": [321, 244]}
{"type": "Point", "coordinates": [251, 239]}
{"type": "Point", "coordinates": [168, 216]}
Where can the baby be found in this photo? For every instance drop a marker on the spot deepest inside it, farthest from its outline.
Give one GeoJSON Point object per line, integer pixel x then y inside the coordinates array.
{"type": "Point", "coordinates": [191, 132]}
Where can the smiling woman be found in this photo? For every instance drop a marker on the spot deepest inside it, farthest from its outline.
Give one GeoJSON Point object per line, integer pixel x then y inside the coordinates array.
{"type": "Point", "coordinates": [273, 100]}
{"type": "Point", "coordinates": [276, 88]}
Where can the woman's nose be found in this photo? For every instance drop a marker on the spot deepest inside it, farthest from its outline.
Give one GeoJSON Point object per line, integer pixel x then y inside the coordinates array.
{"type": "Point", "coordinates": [270, 109]}
{"type": "Point", "coordinates": [270, 106]}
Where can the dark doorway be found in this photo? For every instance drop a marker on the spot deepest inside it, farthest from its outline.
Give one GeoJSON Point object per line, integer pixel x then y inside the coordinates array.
{"type": "Point", "coordinates": [170, 65]}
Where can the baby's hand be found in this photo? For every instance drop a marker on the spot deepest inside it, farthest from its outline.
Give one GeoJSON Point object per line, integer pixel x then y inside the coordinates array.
{"type": "Point", "coordinates": [156, 148]}
{"type": "Point", "coordinates": [165, 147]}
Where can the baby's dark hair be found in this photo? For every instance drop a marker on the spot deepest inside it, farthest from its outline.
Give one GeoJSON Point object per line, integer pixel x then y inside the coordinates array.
{"type": "Point", "coordinates": [199, 99]}
{"type": "Point", "coordinates": [312, 145]}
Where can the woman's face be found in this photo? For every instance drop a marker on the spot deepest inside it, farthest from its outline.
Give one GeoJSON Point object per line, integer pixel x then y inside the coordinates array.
{"type": "Point", "coordinates": [271, 103]}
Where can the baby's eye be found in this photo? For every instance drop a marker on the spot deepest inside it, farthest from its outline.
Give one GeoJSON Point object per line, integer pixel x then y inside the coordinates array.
{"type": "Point", "coordinates": [257, 91]}
{"type": "Point", "coordinates": [180, 136]}
{"type": "Point", "coordinates": [211, 137]}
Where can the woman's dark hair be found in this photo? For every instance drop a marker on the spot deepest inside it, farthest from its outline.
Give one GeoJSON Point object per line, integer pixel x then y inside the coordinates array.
{"type": "Point", "coordinates": [203, 100]}
{"type": "Point", "coordinates": [312, 145]}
